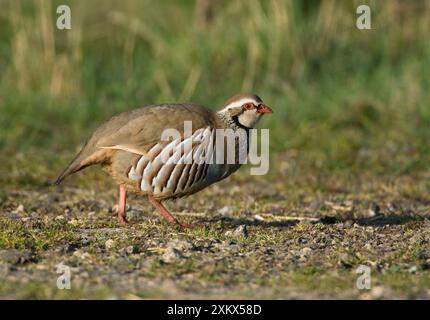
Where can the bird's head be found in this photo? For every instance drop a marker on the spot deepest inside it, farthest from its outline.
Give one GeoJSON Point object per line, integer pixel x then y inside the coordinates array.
{"type": "Point", "coordinates": [245, 109]}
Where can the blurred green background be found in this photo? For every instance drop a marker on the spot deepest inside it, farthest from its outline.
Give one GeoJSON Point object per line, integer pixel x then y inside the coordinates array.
{"type": "Point", "coordinates": [345, 99]}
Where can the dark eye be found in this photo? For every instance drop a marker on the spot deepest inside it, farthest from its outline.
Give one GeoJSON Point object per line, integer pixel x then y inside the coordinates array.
{"type": "Point", "coordinates": [248, 106]}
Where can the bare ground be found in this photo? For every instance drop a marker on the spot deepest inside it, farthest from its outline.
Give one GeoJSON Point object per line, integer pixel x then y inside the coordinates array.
{"type": "Point", "coordinates": [287, 235]}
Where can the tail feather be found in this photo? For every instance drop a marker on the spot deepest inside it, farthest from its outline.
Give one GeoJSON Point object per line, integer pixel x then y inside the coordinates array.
{"type": "Point", "coordinates": [74, 166]}
{"type": "Point", "coordinates": [84, 159]}
{"type": "Point", "coordinates": [67, 172]}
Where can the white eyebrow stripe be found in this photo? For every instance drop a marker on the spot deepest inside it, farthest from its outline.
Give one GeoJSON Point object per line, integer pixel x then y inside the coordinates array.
{"type": "Point", "coordinates": [241, 102]}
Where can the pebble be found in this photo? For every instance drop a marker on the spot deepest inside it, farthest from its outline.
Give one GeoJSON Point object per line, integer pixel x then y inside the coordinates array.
{"type": "Point", "coordinates": [109, 244]}
{"type": "Point", "coordinates": [240, 231]}
{"type": "Point", "coordinates": [374, 210]}
{"type": "Point", "coordinates": [305, 251]}
{"type": "Point", "coordinates": [247, 212]}
{"type": "Point", "coordinates": [368, 246]}
{"type": "Point", "coordinates": [225, 211]}
{"type": "Point", "coordinates": [171, 255]}
{"type": "Point", "coordinates": [257, 217]}
{"type": "Point", "coordinates": [179, 244]}
{"type": "Point", "coordinates": [82, 255]}
{"type": "Point", "coordinates": [227, 246]}
{"type": "Point", "coordinates": [302, 240]}
{"type": "Point", "coordinates": [74, 222]}
{"type": "Point", "coordinates": [19, 209]}
{"type": "Point", "coordinates": [131, 249]}
{"type": "Point", "coordinates": [348, 223]}
{"type": "Point", "coordinates": [377, 292]}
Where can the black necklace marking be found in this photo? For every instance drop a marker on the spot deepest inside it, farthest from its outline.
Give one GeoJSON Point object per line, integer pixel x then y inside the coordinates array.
{"type": "Point", "coordinates": [237, 123]}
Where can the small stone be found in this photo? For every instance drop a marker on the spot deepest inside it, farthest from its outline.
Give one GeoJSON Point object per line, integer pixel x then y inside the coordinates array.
{"type": "Point", "coordinates": [109, 244]}
{"type": "Point", "coordinates": [19, 209]}
{"type": "Point", "coordinates": [59, 218]}
{"type": "Point", "coordinates": [302, 240]}
{"type": "Point", "coordinates": [74, 222]}
{"type": "Point", "coordinates": [345, 260]}
{"type": "Point", "coordinates": [171, 254]}
{"type": "Point", "coordinates": [240, 231]}
{"type": "Point", "coordinates": [377, 292]}
{"type": "Point", "coordinates": [181, 245]}
{"type": "Point", "coordinates": [374, 210]}
{"type": "Point", "coordinates": [227, 246]}
{"type": "Point", "coordinates": [131, 249]}
{"type": "Point", "coordinates": [348, 223]}
{"type": "Point", "coordinates": [225, 211]}
{"type": "Point", "coordinates": [235, 189]}
{"type": "Point", "coordinates": [82, 255]}
{"type": "Point", "coordinates": [247, 212]}
{"type": "Point", "coordinates": [87, 240]}
{"type": "Point", "coordinates": [257, 217]}
{"type": "Point", "coordinates": [305, 251]}
{"type": "Point", "coordinates": [413, 269]}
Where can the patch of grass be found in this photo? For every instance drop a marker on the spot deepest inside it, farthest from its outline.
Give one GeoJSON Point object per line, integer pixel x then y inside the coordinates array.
{"type": "Point", "coordinates": [34, 235]}
{"type": "Point", "coordinates": [321, 280]}
{"type": "Point", "coordinates": [39, 290]}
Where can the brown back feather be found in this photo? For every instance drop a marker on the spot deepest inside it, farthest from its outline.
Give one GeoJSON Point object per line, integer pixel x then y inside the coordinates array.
{"type": "Point", "coordinates": [137, 130]}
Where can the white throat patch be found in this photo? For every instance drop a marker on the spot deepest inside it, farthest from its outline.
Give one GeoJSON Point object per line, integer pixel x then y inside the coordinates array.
{"type": "Point", "coordinates": [249, 118]}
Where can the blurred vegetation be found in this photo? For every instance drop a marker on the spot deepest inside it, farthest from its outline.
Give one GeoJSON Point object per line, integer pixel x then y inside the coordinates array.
{"type": "Point", "coordinates": [344, 99]}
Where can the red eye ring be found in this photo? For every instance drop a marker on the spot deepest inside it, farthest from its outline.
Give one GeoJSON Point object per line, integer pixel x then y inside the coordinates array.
{"type": "Point", "coordinates": [248, 106]}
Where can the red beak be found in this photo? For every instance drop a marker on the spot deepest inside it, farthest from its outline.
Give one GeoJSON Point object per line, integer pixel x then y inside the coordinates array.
{"type": "Point", "coordinates": [262, 108]}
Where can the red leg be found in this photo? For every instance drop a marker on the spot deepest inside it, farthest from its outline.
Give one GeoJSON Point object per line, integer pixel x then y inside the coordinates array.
{"type": "Point", "coordinates": [165, 213]}
{"type": "Point", "coordinates": [122, 205]}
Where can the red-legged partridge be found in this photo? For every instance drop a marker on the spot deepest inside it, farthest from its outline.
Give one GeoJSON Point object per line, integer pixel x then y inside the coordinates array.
{"type": "Point", "coordinates": [131, 148]}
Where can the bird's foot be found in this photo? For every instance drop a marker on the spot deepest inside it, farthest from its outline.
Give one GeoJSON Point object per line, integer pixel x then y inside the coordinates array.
{"type": "Point", "coordinates": [122, 220]}
{"type": "Point", "coordinates": [167, 215]}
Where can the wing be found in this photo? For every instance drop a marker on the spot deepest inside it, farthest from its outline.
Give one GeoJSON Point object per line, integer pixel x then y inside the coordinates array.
{"type": "Point", "coordinates": [175, 167]}
{"type": "Point", "coordinates": [138, 130]}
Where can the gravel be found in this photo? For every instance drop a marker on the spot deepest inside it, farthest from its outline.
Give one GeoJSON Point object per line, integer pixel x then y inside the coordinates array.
{"type": "Point", "coordinates": [290, 242]}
